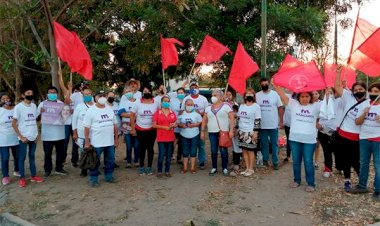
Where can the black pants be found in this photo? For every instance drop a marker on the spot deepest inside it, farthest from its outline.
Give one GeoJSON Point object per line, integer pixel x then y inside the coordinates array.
{"type": "Point", "coordinates": [179, 146]}
{"type": "Point", "coordinates": [288, 150]}
{"type": "Point", "coordinates": [328, 149]}
{"type": "Point", "coordinates": [48, 149]}
{"type": "Point", "coordinates": [236, 158]}
{"type": "Point", "coordinates": [348, 154]}
{"type": "Point", "coordinates": [146, 140]}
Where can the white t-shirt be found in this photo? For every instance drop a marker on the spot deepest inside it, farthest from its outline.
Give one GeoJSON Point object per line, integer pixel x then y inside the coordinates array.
{"type": "Point", "coordinates": [144, 114]}
{"type": "Point", "coordinates": [370, 127]}
{"type": "Point", "coordinates": [200, 103]}
{"type": "Point", "coordinates": [26, 120]}
{"type": "Point", "coordinates": [303, 122]}
{"type": "Point", "coordinates": [115, 109]}
{"type": "Point", "coordinates": [175, 106]}
{"type": "Point", "coordinates": [8, 136]}
{"type": "Point", "coordinates": [101, 122]}
{"type": "Point", "coordinates": [192, 117]}
{"type": "Point", "coordinates": [51, 132]}
{"type": "Point", "coordinates": [348, 124]}
{"type": "Point", "coordinates": [223, 119]}
{"type": "Point", "coordinates": [247, 116]}
{"type": "Point", "coordinates": [76, 99]}
{"type": "Point", "coordinates": [269, 104]}
{"type": "Point", "coordinates": [332, 124]}
{"type": "Point", "coordinates": [78, 118]}
{"type": "Point", "coordinates": [124, 99]}
{"type": "Point", "coordinates": [287, 112]}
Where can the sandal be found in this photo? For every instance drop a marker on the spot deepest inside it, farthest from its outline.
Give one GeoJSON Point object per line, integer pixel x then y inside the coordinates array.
{"type": "Point", "coordinates": [295, 185]}
{"type": "Point", "coordinates": [310, 189]}
{"type": "Point", "coordinates": [183, 171]}
{"type": "Point", "coordinates": [193, 171]}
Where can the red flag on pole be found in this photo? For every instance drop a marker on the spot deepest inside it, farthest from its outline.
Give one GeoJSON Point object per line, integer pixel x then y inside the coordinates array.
{"type": "Point", "coordinates": [347, 74]}
{"type": "Point", "coordinates": [303, 78]}
{"type": "Point", "coordinates": [371, 48]}
{"type": "Point", "coordinates": [169, 54]}
{"type": "Point", "coordinates": [289, 62]}
{"type": "Point", "coordinates": [242, 68]}
{"type": "Point", "coordinates": [211, 51]}
{"type": "Point", "coordinates": [71, 50]}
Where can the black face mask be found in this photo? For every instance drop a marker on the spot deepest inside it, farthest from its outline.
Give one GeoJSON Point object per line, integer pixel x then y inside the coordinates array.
{"type": "Point", "coordinates": [359, 95]}
{"type": "Point", "coordinates": [249, 98]}
{"type": "Point", "coordinates": [111, 99]}
{"type": "Point", "coordinates": [147, 95]}
{"type": "Point", "coordinates": [373, 97]}
{"type": "Point", "coordinates": [29, 97]}
{"type": "Point", "coordinates": [162, 92]}
{"type": "Point", "coordinates": [264, 87]}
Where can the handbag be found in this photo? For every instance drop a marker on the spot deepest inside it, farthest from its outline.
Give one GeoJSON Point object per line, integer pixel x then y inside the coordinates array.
{"type": "Point", "coordinates": [88, 159]}
{"type": "Point", "coordinates": [224, 136]}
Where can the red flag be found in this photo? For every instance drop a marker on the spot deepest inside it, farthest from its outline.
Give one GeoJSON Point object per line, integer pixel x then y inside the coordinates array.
{"type": "Point", "coordinates": [71, 50]}
{"type": "Point", "coordinates": [169, 54]}
{"type": "Point", "coordinates": [242, 68]}
{"type": "Point", "coordinates": [371, 48]}
{"type": "Point", "coordinates": [303, 78]}
{"type": "Point", "coordinates": [211, 50]}
{"type": "Point", "coordinates": [289, 62]}
{"type": "Point", "coordinates": [347, 74]}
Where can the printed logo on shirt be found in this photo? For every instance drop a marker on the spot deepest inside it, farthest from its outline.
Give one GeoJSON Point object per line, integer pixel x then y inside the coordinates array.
{"type": "Point", "coordinates": [265, 101]}
{"type": "Point", "coordinates": [244, 114]}
{"type": "Point", "coordinates": [115, 111]}
{"type": "Point", "coordinates": [10, 117]}
{"type": "Point", "coordinates": [196, 106]}
{"type": "Point", "coordinates": [354, 112]}
{"type": "Point", "coordinates": [305, 113]}
{"type": "Point", "coordinates": [30, 115]}
{"type": "Point", "coordinates": [147, 112]}
{"type": "Point", "coordinates": [371, 116]}
{"type": "Point", "coordinates": [104, 116]}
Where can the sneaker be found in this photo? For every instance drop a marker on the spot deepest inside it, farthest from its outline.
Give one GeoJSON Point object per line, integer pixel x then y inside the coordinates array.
{"type": "Point", "coordinates": [149, 171]}
{"type": "Point", "coordinates": [376, 196]}
{"type": "Point", "coordinates": [358, 190]}
{"type": "Point", "coordinates": [74, 164]}
{"type": "Point", "coordinates": [286, 159]}
{"type": "Point", "coordinates": [128, 166]}
{"type": "Point", "coordinates": [265, 163]}
{"type": "Point", "coordinates": [61, 172]}
{"type": "Point", "coordinates": [276, 167]}
{"type": "Point", "coordinates": [234, 173]}
{"type": "Point", "coordinates": [326, 174]}
{"type": "Point", "coordinates": [167, 174]}
{"type": "Point", "coordinates": [22, 183]}
{"type": "Point", "coordinates": [159, 175]}
{"type": "Point", "coordinates": [36, 179]}
{"type": "Point", "coordinates": [5, 180]}
{"type": "Point", "coordinates": [347, 186]}
{"type": "Point", "coordinates": [310, 189]}
{"type": "Point", "coordinates": [213, 172]}
{"type": "Point", "coordinates": [83, 173]}
{"type": "Point", "coordinates": [137, 164]}
{"type": "Point", "coordinates": [316, 166]}
{"type": "Point", "coordinates": [46, 174]}
{"type": "Point", "coordinates": [111, 180]}
{"type": "Point", "coordinates": [249, 173]}
{"type": "Point", "coordinates": [225, 172]}
{"type": "Point", "coordinates": [142, 171]}
{"type": "Point", "coordinates": [115, 165]}
{"type": "Point", "coordinates": [16, 174]}
{"type": "Point", "coordinates": [244, 172]}
{"type": "Point", "coordinates": [94, 184]}
{"type": "Point", "coordinates": [202, 165]}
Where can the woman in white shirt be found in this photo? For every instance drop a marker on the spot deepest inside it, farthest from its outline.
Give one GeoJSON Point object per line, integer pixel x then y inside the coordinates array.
{"type": "Point", "coordinates": [249, 125]}
{"type": "Point", "coordinates": [8, 138]}
{"type": "Point", "coordinates": [303, 135]}
{"type": "Point", "coordinates": [218, 117]}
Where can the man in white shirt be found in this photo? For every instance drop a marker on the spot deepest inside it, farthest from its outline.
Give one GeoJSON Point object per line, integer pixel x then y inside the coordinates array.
{"type": "Point", "coordinates": [101, 120]}
{"type": "Point", "coordinates": [271, 119]}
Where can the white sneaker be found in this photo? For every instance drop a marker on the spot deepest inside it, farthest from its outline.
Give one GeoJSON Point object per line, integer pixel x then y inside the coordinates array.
{"type": "Point", "coordinates": [244, 172]}
{"type": "Point", "coordinates": [326, 174]}
{"type": "Point", "coordinates": [249, 173]}
{"type": "Point", "coordinates": [17, 174]}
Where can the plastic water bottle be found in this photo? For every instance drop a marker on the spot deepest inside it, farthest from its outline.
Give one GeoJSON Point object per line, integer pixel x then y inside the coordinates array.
{"type": "Point", "coordinates": [259, 161]}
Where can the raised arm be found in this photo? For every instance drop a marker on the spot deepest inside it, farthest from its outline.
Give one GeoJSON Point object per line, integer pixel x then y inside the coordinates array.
{"type": "Point", "coordinates": [281, 93]}
{"type": "Point", "coordinates": [338, 85]}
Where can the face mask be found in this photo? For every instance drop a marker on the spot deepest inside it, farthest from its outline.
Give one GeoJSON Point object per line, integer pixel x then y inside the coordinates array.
{"type": "Point", "coordinates": [180, 96]}
{"type": "Point", "coordinates": [249, 98]}
{"type": "Point", "coordinates": [8, 103]}
{"type": "Point", "coordinates": [189, 108]}
{"type": "Point", "coordinates": [147, 95]}
{"type": "Point", "coordinates": [111, 99]}
{"type": "Point", "coordinates": [129, 95]}
{"type": "Point", "coordinates": [214, 100]}
{"type": "Point", "coordinates": [52, 96]}
{"type": "Point", "coordinates": [373, 97]}
{"type": "Point", "coordinates": [87, 99]}
{"type": "Point", "coordinates": [102, 100]}
{"type": "Point", "coordinates": [29, 97]}
{"type": "Point", "coordinates": [162, 92]}
{"type": "Point", "coordinates": [359, 95]}
{"type": "Point", "coordinates": [165, 105]}
{"type": "Point", "coordinates": [194, 91]}
{"type": "Point", "coordinates": [264, 87]}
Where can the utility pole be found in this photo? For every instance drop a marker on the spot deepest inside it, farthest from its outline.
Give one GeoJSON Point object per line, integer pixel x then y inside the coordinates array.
{"type": "Point", "coordinates": [264, 6]}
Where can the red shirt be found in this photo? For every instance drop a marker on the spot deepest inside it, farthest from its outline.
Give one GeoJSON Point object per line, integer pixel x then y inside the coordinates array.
{"type": "Point", "coordinates": [162, 120]}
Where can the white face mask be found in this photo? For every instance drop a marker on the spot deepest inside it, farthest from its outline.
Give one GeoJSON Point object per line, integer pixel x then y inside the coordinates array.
{"type": "Point", "coordinates": [214, 100]}
{"type": "Point", "coordinates": [102, 100]}
{"type": "Point", "coordinates": [189, 108]}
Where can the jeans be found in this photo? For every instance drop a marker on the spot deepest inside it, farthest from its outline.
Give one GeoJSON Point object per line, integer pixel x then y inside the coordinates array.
{"type": "Point", "coordinates": [22, 156]}
{"type": "Point", "coordinates": [214, 143]}
{"type": "Point", "coordinates": [201, 151]}
{"type": "Point", "coordinates": [305, 152]}
{"type": "Point", "coordinates": [164, 152]}
{"type": "Point", "coordinates": [146, 140]}
{"type": "Point", "coordinates": [132, 142]}
{"type": "Point", "coordinates": [109, 161]}
{"type": "Point", "coordinates": [59, 158]}
{"type": "Point", "coordinates": [74, 148]}
{"type": "Point", "coordinates": [272, 134]}
{"type": "Point", "coordinates": [179, 146]}
{"type": "Point", "coordinates": [368, 148]}
{"type": "Point", "coordinates": [4, 151]}
{"type": "Point", "coordinates": [288, 148]}
{"type": "Point", "coordinates": [189, 146]}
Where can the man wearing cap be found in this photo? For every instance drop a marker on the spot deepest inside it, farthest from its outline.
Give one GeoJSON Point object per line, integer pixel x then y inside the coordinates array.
{"type": "Point", "coordinates": [101, 121]}
{"type": "Point", "coordinates": [200, 104]}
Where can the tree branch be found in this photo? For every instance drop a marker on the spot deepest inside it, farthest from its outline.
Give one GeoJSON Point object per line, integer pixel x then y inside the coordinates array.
{"type": "Point", "coordinates": [34, 70]}
{"type": "Point", "coordinates": [98, 25]}
{"type": "Point", "coordinates": [60, 13]}
{"type": "Point", "coordinates": [2, 76]}
{"type": "Point", "coordinates": [38, 38]}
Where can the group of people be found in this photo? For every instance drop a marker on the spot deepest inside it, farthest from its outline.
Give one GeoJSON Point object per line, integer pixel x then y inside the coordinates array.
{"type": "Point", "coordinates": [344, 122]}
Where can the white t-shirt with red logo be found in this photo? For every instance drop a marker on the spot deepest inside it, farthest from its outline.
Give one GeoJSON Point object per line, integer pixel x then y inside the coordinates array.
{"type": "Point", "coordinates": [144, 114]}
{"type": "Point", "coordinates": [26, 116]}
{"type": "Point", "coordinates": [223, 118]}
{"type": "Point", "coordinates": [8, 135]}
{"type": "Point", "coordinates": [269, 104]}
{"type": "Point", "coordinates": [371, 126]}
{"type": "Point", "coordinates": [247, 116]}
{"type": "Point", "coordinates": [303, 122]}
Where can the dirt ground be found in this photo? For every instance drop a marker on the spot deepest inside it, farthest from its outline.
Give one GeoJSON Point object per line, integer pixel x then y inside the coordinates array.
{"type": "Point", "coordinates": [264, 199]}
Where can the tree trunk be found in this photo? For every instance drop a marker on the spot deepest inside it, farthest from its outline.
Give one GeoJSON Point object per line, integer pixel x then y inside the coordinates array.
{"type": "Point", "coordinates": [18, 79]}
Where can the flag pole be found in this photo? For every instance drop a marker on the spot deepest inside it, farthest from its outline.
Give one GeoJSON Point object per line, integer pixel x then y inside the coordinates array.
{"type": "Point", "coordinates": [163, 77]}
{"type": "Point", "coordinates": [225, 91]}
{"type": "Point", "coordinates": [192, 69]}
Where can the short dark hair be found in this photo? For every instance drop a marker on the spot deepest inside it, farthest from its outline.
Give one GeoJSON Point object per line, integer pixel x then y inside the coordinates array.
{"type": "Point", "coordinates": [53, 87]}
{"type": "Point", "coordinates": [298, 95]}
{"type": "Point", "coordinates": [25, 89]}
{"type": "Point", "coordinates": [374, 85]}
{"type": "Point", "coordinates": [181, 88]}
{"type": "Point", "coordinates": [264, 80]}
{"type": "Point", "coordinates": [149, 87]}
{"type": "Point", "coordinates": [359, 83]}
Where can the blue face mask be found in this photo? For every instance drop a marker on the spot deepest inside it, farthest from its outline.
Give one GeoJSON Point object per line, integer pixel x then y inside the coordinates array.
{"type": "Point", "coordinates": [181, 96]}
{"type": "Point", "coordinates": [194, 91]}
{"type": "Point", "coordinates": [52, 96]}
{"type": "Point", "coordinates": [165, 105]}
{"type": "Point", "coordinates": [129, 95]}
{"type": "Point", "coordinates": [87, 99]}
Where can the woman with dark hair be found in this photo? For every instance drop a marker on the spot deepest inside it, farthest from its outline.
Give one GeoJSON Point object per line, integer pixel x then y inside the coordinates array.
{"type": "Point", "coordinates": [348, 131]}
{"type": "Point", "coordinates": [8, 138]}
{"type": "Point", "coordinates": [142, 126]}
{"type": "Point", "coordinates": [303, 134]}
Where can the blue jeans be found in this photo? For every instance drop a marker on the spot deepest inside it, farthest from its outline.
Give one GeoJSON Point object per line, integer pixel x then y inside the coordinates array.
{"type": "Point", "coordinates": [74, 148]}
{"type": "Point", "coordinates": [189, 146]}
{"type": "Point", "coordinates": [214, 143]}
{"type": "Point", "coordinates": [22, 156]}
{"type": "Point", "coordinates": [305, 152]}
{"type": "Point", "coordinates": [109, 161]}
{"type": "Point", "coordinates": [368, 148]}
{"type": "Point", "coordinates": [164, 152]}
{"type": "Point", "coordinates": [132, 142]}
{"type": "Point", "coordinates": [4, 151]}
{"type": "Point", "coordinates": [271, 135]}
{"type": "Point", "coordinates": [201, 151]}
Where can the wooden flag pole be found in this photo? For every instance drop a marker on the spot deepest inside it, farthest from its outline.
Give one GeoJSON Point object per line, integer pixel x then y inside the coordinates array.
{"type": "Point", "coordinates": [225, 91]}
{"type": "Point", "coordinates": [192, 69]}
{"type": "Point", "coordinates": [163, 77]}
